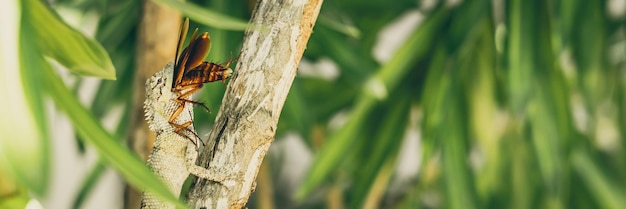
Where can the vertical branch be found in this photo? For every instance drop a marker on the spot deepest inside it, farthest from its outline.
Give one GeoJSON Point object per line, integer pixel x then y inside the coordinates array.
{"type": "Point", "coordinates": [246, 124]}
{"type": "Point", "coordinates": [158, 34]}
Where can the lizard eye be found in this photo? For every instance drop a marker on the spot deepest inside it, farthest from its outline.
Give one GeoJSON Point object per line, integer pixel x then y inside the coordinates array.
{"type": "Point", "coordinates": [159, 81]}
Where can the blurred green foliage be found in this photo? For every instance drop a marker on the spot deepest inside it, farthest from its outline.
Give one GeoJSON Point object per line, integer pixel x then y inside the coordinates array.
{"type": "Point", "coordinates": [518, 103]}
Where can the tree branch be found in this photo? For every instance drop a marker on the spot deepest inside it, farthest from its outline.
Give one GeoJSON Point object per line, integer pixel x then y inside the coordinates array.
{"type": "Point", "coordinates": [246, 123]}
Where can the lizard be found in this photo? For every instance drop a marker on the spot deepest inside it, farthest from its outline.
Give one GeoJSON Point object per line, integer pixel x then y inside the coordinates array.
{"type": "Point", "coordinates": [175, 150]}
{"type": "Point", "coordinates": [173, 156]}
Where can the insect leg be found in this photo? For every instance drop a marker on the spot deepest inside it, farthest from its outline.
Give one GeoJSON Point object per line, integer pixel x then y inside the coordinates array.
{"type": "Point", "coordinates": [185, 127]}
{"type": "Point", "coordinates": [193, 89]}
{"type": "Point", "coordinates": [180, 127]}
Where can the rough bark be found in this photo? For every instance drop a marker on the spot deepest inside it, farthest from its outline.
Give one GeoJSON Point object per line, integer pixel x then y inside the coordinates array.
{"type": "Point", "coordinates": [158, 35]}
{"type": "Point", "coordinates": [246, 123]}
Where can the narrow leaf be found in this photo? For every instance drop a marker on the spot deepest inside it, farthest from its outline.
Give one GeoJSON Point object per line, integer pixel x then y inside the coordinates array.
{"type": "Point", "coordinates": [57, 40]}
{"type": "Point", "coordinates": [205, 16]}
{"type": "Point", "coordinates": [23, 136]}
{"type": "Point", "coordinates": [606, 193]}
{"type": "Point", "coordinates": [535, 88]}
{"type": "Point", "coordinates": [376, 89]}
{"type": "Point", "coordinates": [133, 170]}
{"type": "Point", "coordinates": [384, 147]}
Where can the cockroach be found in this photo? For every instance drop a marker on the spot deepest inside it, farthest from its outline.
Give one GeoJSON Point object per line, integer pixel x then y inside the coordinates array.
{"type": "Point", "coordinates": [191, 72]}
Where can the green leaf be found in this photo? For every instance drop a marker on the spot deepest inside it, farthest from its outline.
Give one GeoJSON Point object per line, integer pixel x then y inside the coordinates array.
{"type": "Point", "coordinates": [383, 146]}
{"type": "Point", "coordinates": [589, 49]}
{"type": "Point", "coordinates": [88, 184]}
{"type": "Point", "coordinates": [13, 196]}
{"type": "Point", "coordinates": [446, 127]}
{"type": "Point", "coordinates": [131, 168]}
{"type": "Point", "coordinates": [23, 132]}
{"type": "Point", "coordinates": [376, 89]}
{"type": "Point", "coordinates": [343, 28]}
{"type": "Point", "coordinates": [352, 60]}
{"type": "Point", "coordinates": [415, 47]}
{"type": "Point", "coordinates": [536, 90]}
{"type": "Point", "coordinates": [478, 76]}
{"type": "Point", "coordinates": [457, 176]}
{"type": "Point", "coordinates": [522, 184]}
{"type": "Point", "coordinates": [608, 195]}
{"type": "Point", "coordinates": [529, 56]}
{"type": "Point", "coordinates": [57, 40]}
{"type": "Point", "coordinates": [205, 16]}
{"type": "Point", "coordinates": [296, 113]}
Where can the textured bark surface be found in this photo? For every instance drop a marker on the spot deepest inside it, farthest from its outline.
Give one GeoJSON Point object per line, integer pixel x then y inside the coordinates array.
{"type": "Point", "coordinates": [158, 35]}
{"type": "Point", "coordinates": [246, 123]}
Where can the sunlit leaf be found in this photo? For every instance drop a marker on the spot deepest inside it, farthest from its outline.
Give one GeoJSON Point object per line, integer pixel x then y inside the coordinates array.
{"type": "Point", "coordinates": [608, 195]}
{"type": "Point", "coordinates": [446, 129]}
{"type": "Point", "coordinates": [532, 93]}
{"type": "Point", "coordinates": [376, 89]}
{"type": "Point", "coordinates": [23, 131]}
{"type": "Point", "coordinates": [205, 16]}
{"type": "Point", "coordinates": [348, 30]}
{"type": "Point", "coordinates": [383, 148]}
{"type": "Point", "coordinates": [57, 40]}
{"type": "Point", "coordinates": [589, 48]}
{"type": "Point", "coordinates": [88, 184]}
{"type": "Point", "coordinates": [129, 165]}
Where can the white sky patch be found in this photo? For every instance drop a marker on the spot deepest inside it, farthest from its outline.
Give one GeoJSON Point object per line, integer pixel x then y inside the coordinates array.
{"type": "Point", "coordinates": [616, 8]}
{"type": "Point", "coordinates": [607, 133]}
{"type": "Point", "coordinates": [69, 166]}
{"type": "Point", "coordinates": [324, 68]}
{"type": "Point", "coordinates": [113, 117]}
{"type": "Point", "coordinates": [338, 120]}
{"type": "Point", "coordinates": [88, 89]}
{"type": "Point", "coordinates": [85, 22]}
{"type": "Point", "coordinates": [107, 191]}
{"type": "Point", "coordinates": [410, 154]}
{"type": "Point", "coordinates": [376, 87]}
{"type": "Point", "coordinates": [34, 204]}
{"type": "Point", "coordinates": [296, 159]}
{"type": "Point", "coordinates": [428, 4]}
{"type": "Point", "coordinates": [579, 113]}
{"type": "Point", "coordinates": [395, 35]}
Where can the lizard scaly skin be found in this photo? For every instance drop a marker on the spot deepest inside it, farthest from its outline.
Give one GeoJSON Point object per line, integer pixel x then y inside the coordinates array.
{"type": "Point", "coordinates": [173, 157]}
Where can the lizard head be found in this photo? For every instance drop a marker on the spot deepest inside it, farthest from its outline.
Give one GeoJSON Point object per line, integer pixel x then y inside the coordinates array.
{"type": "Point", "coordinates": [158, 96]}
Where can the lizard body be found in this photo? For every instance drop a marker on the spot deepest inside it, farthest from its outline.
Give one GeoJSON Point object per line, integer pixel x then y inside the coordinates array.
{"type": "Point", "coordinates": [173, 157]}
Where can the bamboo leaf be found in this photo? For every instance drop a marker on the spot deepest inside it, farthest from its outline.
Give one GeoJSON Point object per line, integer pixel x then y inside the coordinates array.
{"type": "Point", "coordinates": [23, 132]}
{"type": "Point", "coordinates": [346, 29]}
{"type": "Point", "coordinates": [533, 83]}
{"type": "Point", "coordinates": [88, 184]}
{"type": "Point", "coordinates": [588, 42]}
{"type": "Point", "coordinates": [205, 16]}
{"type": "Point", "coordinates": [376, 89]}
{"type": "Point", "coordinates": [446, 129]}
{"type": "Point", "coordinates": [384, 147]}
{"type": "Point", "coordinates": [603, 190]}
{"type": "Point", "coordinates": [129, 166]}
{"type": "Point", "coordinates": [55, 39]}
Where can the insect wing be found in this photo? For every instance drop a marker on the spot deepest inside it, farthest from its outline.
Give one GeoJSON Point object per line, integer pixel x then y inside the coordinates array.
{"type": "Point", "coordinates": [178, 72]}
{"type": "Point", "coordinates": [180, 68]}
{"type": "Point", "coordinates": [192, 56]}
{"type": "Point", "coordinates": [199, 50]}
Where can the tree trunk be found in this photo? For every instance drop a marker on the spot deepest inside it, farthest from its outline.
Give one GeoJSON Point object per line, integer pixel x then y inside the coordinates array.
{"type": "Point", "coordinates": [246, 123]}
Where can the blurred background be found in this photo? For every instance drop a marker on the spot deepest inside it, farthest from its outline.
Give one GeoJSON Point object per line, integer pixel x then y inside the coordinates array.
{"type": "Point", "coordinates": [397, 104]}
